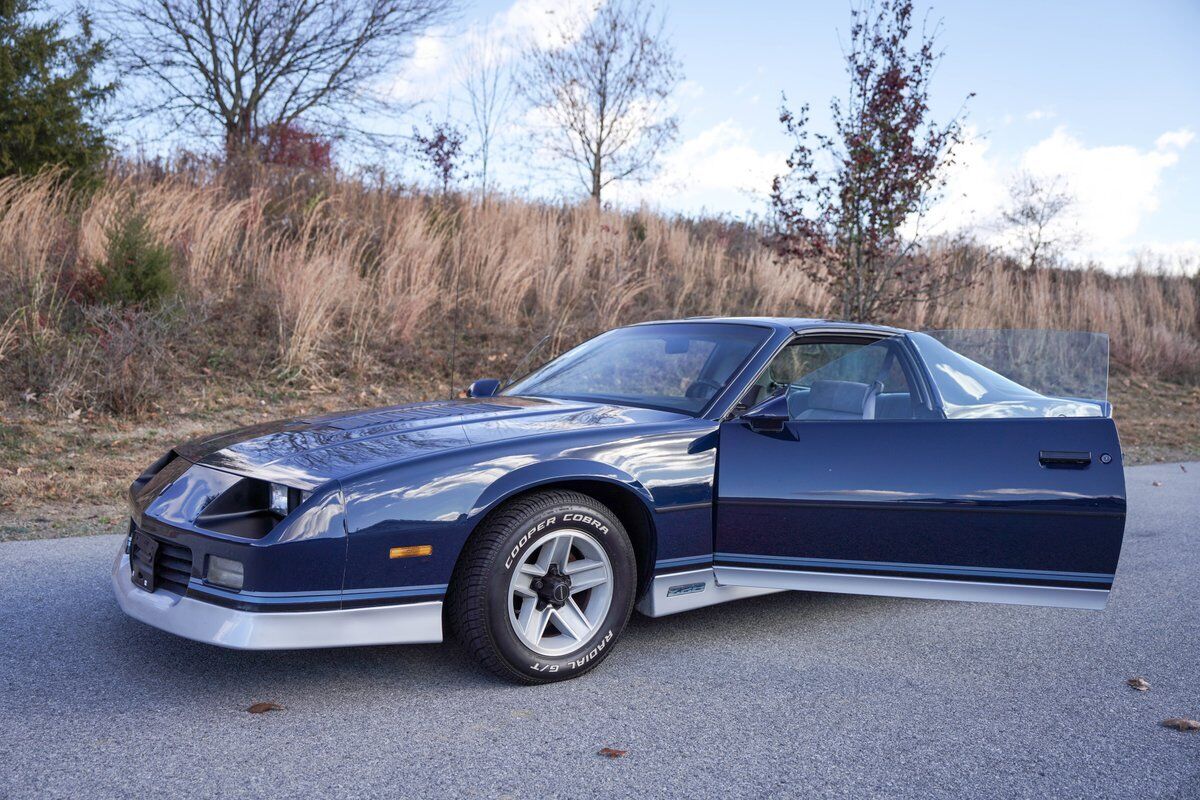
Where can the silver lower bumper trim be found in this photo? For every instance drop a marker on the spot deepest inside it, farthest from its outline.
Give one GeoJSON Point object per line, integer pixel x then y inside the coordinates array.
{"type": "Point", "coordinates": [927, 588]}
{"type": "Point", "coordinates": [412, 623]}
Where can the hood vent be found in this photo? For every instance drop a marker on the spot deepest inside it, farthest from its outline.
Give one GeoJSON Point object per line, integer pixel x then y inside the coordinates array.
{"type": "Point", "coordinates": [414, 413]}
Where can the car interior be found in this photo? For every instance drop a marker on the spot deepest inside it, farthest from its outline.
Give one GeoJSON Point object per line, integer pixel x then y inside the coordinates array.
{"type": "Point", "coordinates": [838, 378]}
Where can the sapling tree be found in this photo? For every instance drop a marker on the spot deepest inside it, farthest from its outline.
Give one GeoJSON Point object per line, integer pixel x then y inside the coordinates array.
{"type": "Point", "coordinates": [849, 211]}
{"type": "Point", "coordinates": [442, 150]}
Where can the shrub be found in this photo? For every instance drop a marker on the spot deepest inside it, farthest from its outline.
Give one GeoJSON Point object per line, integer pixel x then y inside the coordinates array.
{"type": "Point", "coordinates": [290, 145]}
{"type": "Point", "coordinates": [137, 267]}
{"type": "Point", "coordinates": [116, 362]}
{"type": "Point", "coordinates": [127, 369]}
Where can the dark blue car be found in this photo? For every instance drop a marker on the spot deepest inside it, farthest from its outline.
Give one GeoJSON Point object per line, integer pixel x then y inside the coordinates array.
{"type": "Point", "coordinates": [664, 466]}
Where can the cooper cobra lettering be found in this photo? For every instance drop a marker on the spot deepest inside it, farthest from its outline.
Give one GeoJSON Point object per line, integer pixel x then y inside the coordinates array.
{"type": "Point", "coordinates": [524, 540]}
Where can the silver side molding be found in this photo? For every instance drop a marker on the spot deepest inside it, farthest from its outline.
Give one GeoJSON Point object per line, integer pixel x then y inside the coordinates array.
{"type": "Point", "coordinates": [928, 588]}
{"type": "Point", "coordinates": [683, 591]}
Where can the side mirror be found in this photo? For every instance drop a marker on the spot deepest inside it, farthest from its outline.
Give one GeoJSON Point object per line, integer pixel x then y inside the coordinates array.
{"type": "Point", "coordinates": [484, 387]}
{"type": "Point", "coordinates": [770, 415]}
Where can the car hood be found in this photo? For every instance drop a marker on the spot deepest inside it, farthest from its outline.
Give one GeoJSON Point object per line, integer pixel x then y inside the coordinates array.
{"type": "Point", "coordinates": [307, 452]}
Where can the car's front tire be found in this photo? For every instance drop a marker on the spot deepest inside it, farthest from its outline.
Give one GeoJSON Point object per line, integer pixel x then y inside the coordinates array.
{"type": "Point", "coordinates": [544, 588]}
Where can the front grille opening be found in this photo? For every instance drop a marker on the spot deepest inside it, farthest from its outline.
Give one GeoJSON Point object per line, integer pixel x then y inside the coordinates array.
{"type": "Point", "coordinates": [241, 510]}
{"type": "Point", "coordinates": [172, 565]}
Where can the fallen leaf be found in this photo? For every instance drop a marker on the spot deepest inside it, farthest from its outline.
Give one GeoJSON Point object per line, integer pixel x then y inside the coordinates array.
{"type": "Point", "coordinates": [262, 708]}
{"type": "Point", "coordinates": [1181, 724]}
{"type": "Point", "coordinates": [610, 752]}
{"type": "Point", "coordinates": [1156, 483]}
{"type": "Point", "coordinates": [1141, 684]}
{"type": "Point", "coordinates": [74, 415]}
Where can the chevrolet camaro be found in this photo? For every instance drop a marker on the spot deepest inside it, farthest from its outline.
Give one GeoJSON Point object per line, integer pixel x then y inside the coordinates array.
{"type": "Point", "coordinates": [663, 466]}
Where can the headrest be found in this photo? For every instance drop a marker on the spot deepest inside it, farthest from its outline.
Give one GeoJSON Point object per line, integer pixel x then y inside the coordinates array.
{"type": "Point", "coordinates": [844, 396]}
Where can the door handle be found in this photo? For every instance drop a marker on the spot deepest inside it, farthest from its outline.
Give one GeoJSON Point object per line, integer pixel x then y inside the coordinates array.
{"type": "Point", "coordinates": [1065, 458]}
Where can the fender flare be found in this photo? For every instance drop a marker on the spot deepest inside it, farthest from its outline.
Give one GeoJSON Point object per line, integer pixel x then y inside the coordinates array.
{"type": "Point", "coordinates": [559, 471]}
{"type": "Point", "coordinates": [544, 473]}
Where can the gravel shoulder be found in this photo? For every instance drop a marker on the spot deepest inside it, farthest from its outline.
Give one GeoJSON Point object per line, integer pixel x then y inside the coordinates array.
{"type": "Point", "coordinates": [793, 694]}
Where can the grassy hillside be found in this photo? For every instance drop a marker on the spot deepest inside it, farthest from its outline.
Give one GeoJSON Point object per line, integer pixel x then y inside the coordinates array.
{"type": "Point", "coordinates": [172, 303]}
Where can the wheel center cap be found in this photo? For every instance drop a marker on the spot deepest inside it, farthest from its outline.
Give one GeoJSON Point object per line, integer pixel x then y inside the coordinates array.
{"type": "Point", "coordinates": [554, 587]}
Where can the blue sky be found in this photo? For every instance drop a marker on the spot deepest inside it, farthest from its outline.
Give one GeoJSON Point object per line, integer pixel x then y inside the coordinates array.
{"type": "Point", "coordinates": [1104, 94]}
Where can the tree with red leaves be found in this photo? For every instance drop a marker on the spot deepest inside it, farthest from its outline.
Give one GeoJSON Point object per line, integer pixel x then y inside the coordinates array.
{"type": "Point", "coordinates": [849, 210]}
{"type": "Point", "coordinates": [287, 144]}
{"type": "Point", "coordinates": [442, 149]}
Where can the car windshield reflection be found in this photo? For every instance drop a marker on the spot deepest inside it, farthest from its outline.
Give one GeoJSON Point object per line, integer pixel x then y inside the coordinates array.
{"type": "Point", "coordinates": [679, 367]}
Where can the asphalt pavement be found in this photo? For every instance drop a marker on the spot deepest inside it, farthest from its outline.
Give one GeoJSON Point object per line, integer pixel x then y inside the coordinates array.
{"type": "Point", "coordinates": [796, 695]}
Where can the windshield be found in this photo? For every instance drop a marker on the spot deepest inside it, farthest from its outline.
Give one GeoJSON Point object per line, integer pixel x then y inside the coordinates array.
{"type": "Point", "coordinates": [675, 366]}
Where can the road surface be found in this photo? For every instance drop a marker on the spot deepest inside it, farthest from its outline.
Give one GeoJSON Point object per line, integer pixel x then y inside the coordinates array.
{"type": "Point", "coordinates": [801, 695]}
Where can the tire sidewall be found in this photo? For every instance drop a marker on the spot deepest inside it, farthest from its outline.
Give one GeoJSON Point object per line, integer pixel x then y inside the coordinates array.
{"type": "Point", "coordinates": [526, 536]}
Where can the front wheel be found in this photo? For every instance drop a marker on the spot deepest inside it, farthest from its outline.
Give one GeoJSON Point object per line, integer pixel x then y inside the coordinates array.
{"type": "Point", "coordinates": [544, 588]}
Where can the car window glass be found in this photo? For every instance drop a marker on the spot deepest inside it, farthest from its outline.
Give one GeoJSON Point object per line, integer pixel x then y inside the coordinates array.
{"type": "Point", "coordinates": [840, 380]}
{"type": "Point", "coordinates": [801, 358]}
{"type": "Point", "coordinates": [1061, 374]}
{"type": "Point", "coordinates": [639, 366]}
{"type": "Point", "coordinates": [678, 366]}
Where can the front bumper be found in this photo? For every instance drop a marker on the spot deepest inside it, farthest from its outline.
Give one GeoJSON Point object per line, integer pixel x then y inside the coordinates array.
{"type": "Point", "coordinates": [413, 623]}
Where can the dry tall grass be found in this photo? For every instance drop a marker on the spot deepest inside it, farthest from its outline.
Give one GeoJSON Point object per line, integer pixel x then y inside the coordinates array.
{"type": "Point", "coordinates": [337, 277]}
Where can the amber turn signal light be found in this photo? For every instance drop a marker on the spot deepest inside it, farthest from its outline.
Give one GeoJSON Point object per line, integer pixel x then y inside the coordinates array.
{"type": "Point", "coordinates": [411, 551]}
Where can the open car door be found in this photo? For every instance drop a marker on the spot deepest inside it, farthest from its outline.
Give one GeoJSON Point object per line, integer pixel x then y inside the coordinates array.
{"type": "Point", "coordinates": [974, 465]}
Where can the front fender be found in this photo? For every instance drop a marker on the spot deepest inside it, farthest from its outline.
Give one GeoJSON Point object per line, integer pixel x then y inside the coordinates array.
{"type": "Point", "coordinates": [528, 478]}
{"type": "Point", "coordinates": [438, 501]}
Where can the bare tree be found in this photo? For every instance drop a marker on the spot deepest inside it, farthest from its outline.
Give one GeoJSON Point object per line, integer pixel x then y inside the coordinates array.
{"type": "Point", "coordinates": [1037, 216]}
{"type": "Point", "coordinates": [246, 65]}
{"type": "Point", "coordinates": [605, 93]}
{"type": "Point", "coordinates": [486, 80]}
{"type": "Point", "coordinates": [848, 213]}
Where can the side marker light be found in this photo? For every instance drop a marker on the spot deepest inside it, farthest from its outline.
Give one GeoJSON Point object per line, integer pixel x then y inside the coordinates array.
{"type": "Point", "coordinates": [411, 551]}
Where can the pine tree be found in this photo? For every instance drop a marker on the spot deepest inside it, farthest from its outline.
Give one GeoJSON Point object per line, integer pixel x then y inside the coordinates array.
{"type": "Point", "coordinates": [49, 95]}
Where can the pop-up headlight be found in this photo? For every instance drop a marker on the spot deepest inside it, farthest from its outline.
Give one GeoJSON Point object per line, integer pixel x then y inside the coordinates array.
{"type": "Point", "coordinates": [279, 500]}
{"type": "Point", "coordinates": [283, 500]}
{"type": "Point", "coordinates": [225, 572]}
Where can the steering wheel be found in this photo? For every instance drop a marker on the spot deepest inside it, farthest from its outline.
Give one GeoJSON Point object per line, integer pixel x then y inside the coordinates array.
{"type": "Point", "coordinates": [701, 382]}
{"type": "Point", "coordinates": [774, 387]}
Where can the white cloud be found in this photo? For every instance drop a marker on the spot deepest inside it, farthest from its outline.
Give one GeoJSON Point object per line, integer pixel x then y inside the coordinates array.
{"type": "Point", "coordinates": [433, 70]}
{"type": "Point", "coordinates": [1175, 139]}
{"type": "Point", "coordinates": [975, 186]}
{"type": "Point", "coordinates": [429, 73]}
{"type": "Point", "coordinates": [1039, 114]}
{"type": "Point", "coordinates": [1115, 186]}
{"type": "Point", "coordinates": [541, 21]}
{"type": "Point", "coordinates": [717, 169]}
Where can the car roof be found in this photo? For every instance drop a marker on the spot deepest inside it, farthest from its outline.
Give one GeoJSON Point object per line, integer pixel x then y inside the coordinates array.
{"type": "Point", "coordinates": [796, 324]}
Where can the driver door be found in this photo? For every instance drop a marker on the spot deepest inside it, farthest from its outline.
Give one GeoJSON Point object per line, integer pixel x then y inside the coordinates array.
{"type": "Point", "coordinates": [871, 487]}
